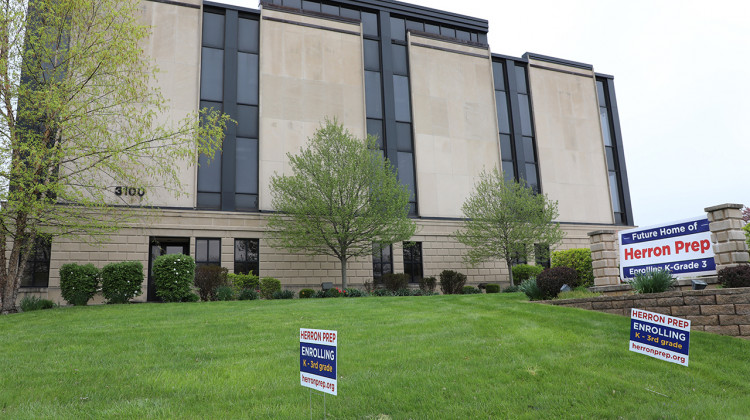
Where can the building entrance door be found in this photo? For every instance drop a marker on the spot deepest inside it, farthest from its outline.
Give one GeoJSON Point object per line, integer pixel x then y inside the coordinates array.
{"type": "Point", "coordinates": [157, 248]}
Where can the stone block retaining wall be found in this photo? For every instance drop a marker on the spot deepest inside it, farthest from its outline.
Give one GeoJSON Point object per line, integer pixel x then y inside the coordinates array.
{"type": "Point", "coordinates": [719, 311]}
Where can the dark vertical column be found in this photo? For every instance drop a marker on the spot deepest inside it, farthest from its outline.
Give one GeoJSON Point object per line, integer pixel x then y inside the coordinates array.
{"type": "Point", "coordinates": [228, 163]}
{"type": "Point", "coordinates": [515, 114]}
{"type": "Point", "coordinates": [623, 173]}
{"type": "Point", "coordinates": [389, 107]}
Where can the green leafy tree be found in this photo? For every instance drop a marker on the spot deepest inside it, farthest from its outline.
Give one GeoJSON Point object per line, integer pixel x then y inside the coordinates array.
{"type": "Point", "coordinates": [342, 197]}
{"type": "Point", "coordinates": [504, 219]}
{"type": "Point", "coordinates": [81, 113]}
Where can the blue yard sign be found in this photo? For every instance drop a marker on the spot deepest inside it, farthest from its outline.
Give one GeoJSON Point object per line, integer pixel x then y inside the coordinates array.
{"type": "Point", "coordinates": [317, 359]}
{"type": "Point", "coordinates": [661, 336]}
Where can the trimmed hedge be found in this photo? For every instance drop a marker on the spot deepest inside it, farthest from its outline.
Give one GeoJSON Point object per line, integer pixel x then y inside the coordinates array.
{"type": "Point", "coordinates": [269, 285]}
{"type": "Point", "coordinates": [122, 281]}
{"type": "Point", "coordinates": [306, 293]}
{"type": "Point", "coordinates": [523, 272]}
{"type": "Point", "coordinates": [738, 276]}
{"type": "Point", "coordinates": [452, 282]}
{"type": "Point", "coordinates": [427, 284]}
{"type": "Point", "coordinates": [244, 281]}
{"type": "Point", "coordinates": [173, 276]}
{"type": "Point", "coordinates": [470, 290]}
{"type": "Point", "coordinates": [395, 282]}
{"type": "Point", "coordinates": [208, 279]}
{"type": "Point", "coordinates": [551, 280]}
{"type": "Point", "coordinates": [78, 283]}
{"type": "Point", "coordinates": [578, 259]}
{"type": "Point", "coordinates": [492, 288]}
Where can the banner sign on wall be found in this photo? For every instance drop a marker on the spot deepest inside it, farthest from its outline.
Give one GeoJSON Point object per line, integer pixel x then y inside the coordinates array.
{"type": "Point", "coordinates": [661, 336]}
{"type": "Point", "coordinates": [317, 359]}
{"type": "Point", "coordinates": [683, 248]}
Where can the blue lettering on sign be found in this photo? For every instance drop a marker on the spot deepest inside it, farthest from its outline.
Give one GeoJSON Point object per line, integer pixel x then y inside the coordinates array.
{"type": "Point", "coordinates": [317, 359]}
{"type": "Point", "coordinates": [656, 335]}
{"type": "Point", "coordinates": [679, 267]}
{"type": "Point", "coordinates": [670, 231]}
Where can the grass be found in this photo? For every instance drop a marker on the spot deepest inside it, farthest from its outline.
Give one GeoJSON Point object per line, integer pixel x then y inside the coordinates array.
{"type": "Point", "coordinates": [475, 356]}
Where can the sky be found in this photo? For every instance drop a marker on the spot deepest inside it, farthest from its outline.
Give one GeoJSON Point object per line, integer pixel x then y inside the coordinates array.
{"type": "Point", "coordinates": [682, 79]}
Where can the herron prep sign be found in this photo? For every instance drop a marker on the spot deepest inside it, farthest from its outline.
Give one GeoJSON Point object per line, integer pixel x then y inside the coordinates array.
{"type": "Point", "coordinates": [683, 248]}
{"type": "Point", "coordinates": [317, 359]}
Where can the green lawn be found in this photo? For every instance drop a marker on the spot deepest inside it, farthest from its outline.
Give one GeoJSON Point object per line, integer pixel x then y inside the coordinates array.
{"type": "Point", "coordinates": [473, 356]}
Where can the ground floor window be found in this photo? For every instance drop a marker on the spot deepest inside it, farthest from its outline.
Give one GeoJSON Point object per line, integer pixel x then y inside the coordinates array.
{"type": "Point", "coordinates": [247, 256]}
{"type": "Point", "coordinates": [382, 261]}
{"type": "Point", "coordinates": [541, 255]}
{"type": "Point", "coordinates": [36, 273]}
{"type": "Point", "coordinates": [413, 261]}
{"type": "Point", "coordinates": [207, 251]}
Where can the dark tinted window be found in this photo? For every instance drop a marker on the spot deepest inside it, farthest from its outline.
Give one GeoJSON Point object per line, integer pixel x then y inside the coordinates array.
{"type": "Point", "coordinates": [247, 38]}
{"type": "Point", "coordinates": [463, 35]}
{"type": "Point", "coordinates": [213, 30]}
{"type": "Point", "coordinates": [523, 108]}
{"type": "Point", "coordinates": [373, 95]}
{"type": "Point", "coordinates": [372, 55]}
{"type": "Point", "coordinates": [406, 172]}
{"type": "Point", "coordinates": [370, 23]}
{"type": "Point", "coordinates": [36, 272]}
{"type": "Point", "coordinates": [247, 121]}
{"type": "Point", "coordinates": [502, 111]}
{"type": "Point", "coordinates": [209, 173]}
{"type": "Point", "coordinates": [497, 73]}
{"type": "Point", "coordinates": [247, 78]}
{"type": "Point", "coordinates": [329, 9]}
{"type": "Point", "coordinates": [449, 32]}
{"type": "Point", "coordinates": [432, 29]}
{"type": "Point", "coordinates": [403, 134]}
{"type": "Point", "coordinates": [521, 79]}
{"type": "Point", "coordinates": [398, 29]}
{"type": "Point", "coordinates": [506, 150]}
{"type": "Point", "coordinates": [418, 26]}
{"type": "Point", "coordinates": [401, 95]}
{"type": "Point", "coordinates": [399, 60]}
{"type": "Point", "coordinates": [311, 5]}
{"type": "Point", "coordinates": [413, 261]}
{"type": "Point", "coordinates": [207, 252]}
{"type": "Point", "coordinates": [349, 13]}
{"type": "Point", "coordinates": [212, 74]}
{"type": "Point", "coordinates": [246, 256]}
{"type": "Point", "coordinates": [246, 170]}
{"type": "Point", "coordinates": [528, 149]}
{"type": "Point", "coordinates": [375, 128]}
{"type": "Point", "coordinates": [293, 3]}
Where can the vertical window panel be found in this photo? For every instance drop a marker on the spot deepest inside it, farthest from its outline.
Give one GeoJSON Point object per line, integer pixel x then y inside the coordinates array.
{"type": "Point", "coordinates": [213, 30]}
{"type": "Point", "coordinates": [247, 36]}
{"type": "Point", "coordinates": [212, 74]}
{"type": "Point", "coordinates": [372, 55]}
{"type": "Point", "coordinates": [406, 172]}
{"type": "Point", "coordinates": [528, 150]}
{"type": "Point", "coordinates": [246, 256]}
{"type": "Point", "coordinates": [606, 134]}
{"type": "Point", "coordinates": [403, 136]}
{"type": "Point", "coordinates": [247, 121]}
{"type": "Point", "coordinates": [531, 178]}
{"type": "Point", "coordinates": [400, 65]}
{"type": "Point", "coordinates": [509, 170]}
{"type": "Point", "coordinates": [498, 75]}
{"type": "Point", "coordinates": [398, 29]}
{"type": "Point", "coordinates": [247, 78]}
{"type": "Point", "coordinates": [209, 173]}
{"type": "Point", "coordinates": [370, 24]}
{"type": "Point", "coordinates": [375, 128]}
{"type": "Point", "coordinates": [521, 79]}
{"type": "Point", "coordinates": [506, 148]}
{"type": "Point", "coordinates": [413, 261]}
{"type": "Point", "coordinates": [614, 192]}
{"type": "Point", "coordinates": [503, 118]}
{"type": "Point", "coordinates": [246, 169]}
{"type": "Point", "coordinates": [525, 111]}
{"type": "Point", "coordinates": [402, 99]}
{"type": "Point", "coordinates": [373, 95]}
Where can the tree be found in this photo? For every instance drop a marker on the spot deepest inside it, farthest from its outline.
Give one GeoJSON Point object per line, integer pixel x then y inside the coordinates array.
{"type": "Point", "coordinates": [342, 200]}
{"type": "Point", "coordinates": [505, 219]}
{"type": "Point", "coordinates": [80, 114]}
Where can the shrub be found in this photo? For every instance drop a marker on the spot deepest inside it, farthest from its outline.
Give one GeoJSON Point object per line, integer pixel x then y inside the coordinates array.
{"type": "Point", "coordinates": [513, 289]}
{"type": "Point", "coordinates": [306, 293]}
{"type": "Point", "coordinates": [578, 259]}
{"type": "Point", "coordinates": [78, 283]}
{"type": "Point", "coordinates": [470, 290]}
{"type": "Point", "coordinates": [427, 284]}
{"type": "Point", "coordinates": [382, 292]}
{"type": "Point", "coordinates": [244, 281]}
{"type": "Point", "coordinates": [283, 294]}
{"type": "Point", "coordinates": [746, 228]}
{"type": "Point", "coordinates": [33, 303]}
{"type": "Point", "coordinates": [268, 285]}
{"type": "Point", "coordinates": [395, 282]}
{"type": "Point", "coordinates": [523, 272]}
{"type": "Point", "coordinates": [173, 275]}
{"type": "Point", "coordinates": [738, 276]}
{"type": "Point", "coordinates": [122, 281]}
{"type": "Point", "coordinates": [492, 288]}
{"type": "Point", "coordinates": [551, 280]}
{"type": "Point", "coordinates": [247, 294]}
{"type": "Point", "coordinates": [334, 292]}
{"type": "Point", "coordinates": [652, 282]}
{"type": "Point", "coordinates": [451, 282]}
{"type": "Point", "coordinates": [403, 292]}
{"type": "Point", "coordinates": [351, 292]}
{"type": "Point", "coordinates": [531, 290]}
{"type": "Point", "coordinates": [191, 297]}
{"type": "Point", "coordinates": [224, 293]}
{"type": "Point", "coordinates": [320, 294]}
{"type": "Point", "coordinates": [208, 278]}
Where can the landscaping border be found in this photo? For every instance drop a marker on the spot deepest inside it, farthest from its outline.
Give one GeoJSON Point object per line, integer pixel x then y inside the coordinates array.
{"type": "Point", "coordinates": [718, 311]}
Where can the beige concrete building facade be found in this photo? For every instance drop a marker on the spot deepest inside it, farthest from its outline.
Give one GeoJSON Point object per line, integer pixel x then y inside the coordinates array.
{"type": "Point", "coordinates": [425, 81]}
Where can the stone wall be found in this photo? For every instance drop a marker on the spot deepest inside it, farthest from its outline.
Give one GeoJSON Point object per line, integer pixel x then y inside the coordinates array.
{"type": "Point", "coordinates": [719, 311]}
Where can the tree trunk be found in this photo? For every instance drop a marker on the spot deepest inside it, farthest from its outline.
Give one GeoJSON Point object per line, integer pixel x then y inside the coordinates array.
{"type": "Point", "coordinates": [343, 273]}
{"type": "Point", "coordinates": [510, 271]}
{"type": "Point", "coordinates": [9, 295]}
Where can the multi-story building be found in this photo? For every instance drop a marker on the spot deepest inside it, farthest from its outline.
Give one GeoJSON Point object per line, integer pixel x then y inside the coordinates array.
{"type": "Point", "coordinates": [425, 81]}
